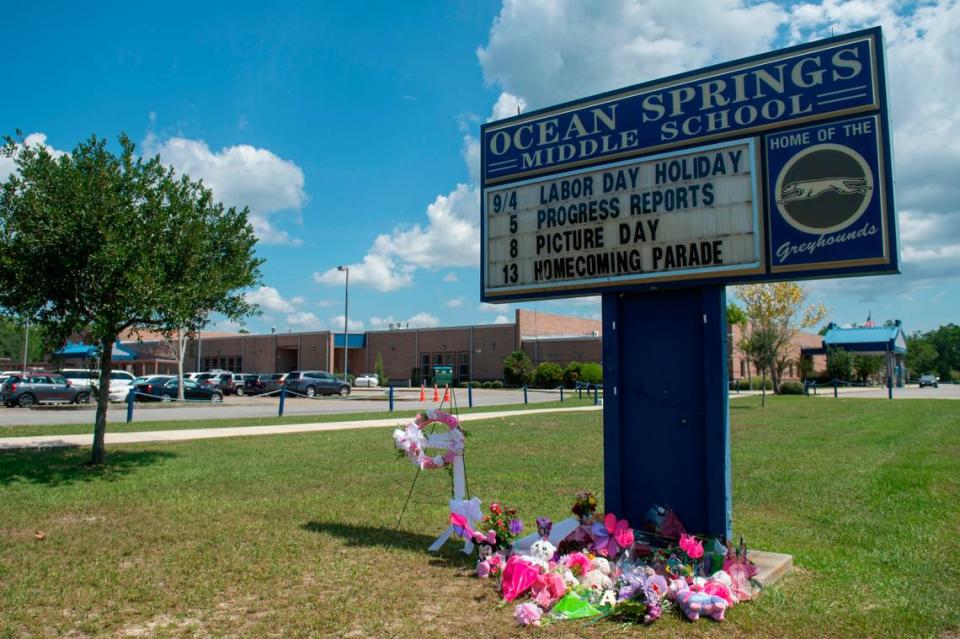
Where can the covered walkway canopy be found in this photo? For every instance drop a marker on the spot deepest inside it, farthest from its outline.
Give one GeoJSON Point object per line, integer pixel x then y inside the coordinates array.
{"type": "Point", "coordinates": [88, 351]}
{"type": "Point", "coordinates": [887, 341]}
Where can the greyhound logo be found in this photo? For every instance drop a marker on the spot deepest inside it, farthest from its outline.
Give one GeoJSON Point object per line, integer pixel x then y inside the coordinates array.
{"type": "Point", "coordinates": [809, 189]}
{"type": "Point", "coordinates": [824, 188]}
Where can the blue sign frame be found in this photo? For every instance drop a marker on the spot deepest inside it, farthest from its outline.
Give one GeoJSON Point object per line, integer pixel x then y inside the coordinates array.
{"type": "Point", "coordinates": [822, 83]}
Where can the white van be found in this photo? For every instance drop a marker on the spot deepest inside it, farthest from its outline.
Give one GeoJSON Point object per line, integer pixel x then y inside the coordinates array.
{"type": "Point", "coordinates": [87, 378]}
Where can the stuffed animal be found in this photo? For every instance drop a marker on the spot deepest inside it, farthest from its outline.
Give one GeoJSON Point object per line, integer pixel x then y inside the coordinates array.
{"type": "Point", "coordinates": [596, 580]}
{"type": "Point", "coordinates": [694, 604]}
{"type": "Point", "coordinates": [490, 563]}
{"type": "Point", "coordinates": [719, 585]}
{"type": "Point", "coordinates": [541, 553]}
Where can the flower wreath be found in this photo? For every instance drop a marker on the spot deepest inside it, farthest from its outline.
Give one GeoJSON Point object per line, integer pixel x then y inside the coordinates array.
{"type": "Point", "coordinates": [413, 442]}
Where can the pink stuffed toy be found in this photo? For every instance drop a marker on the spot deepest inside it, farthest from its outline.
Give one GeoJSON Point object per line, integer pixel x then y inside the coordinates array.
{"type": "Point", "coordinates": [547, 589]}
{"type": "Point", "coordinates": [693, 604]}
{"type": "Point", "coordinates": [719, 585]}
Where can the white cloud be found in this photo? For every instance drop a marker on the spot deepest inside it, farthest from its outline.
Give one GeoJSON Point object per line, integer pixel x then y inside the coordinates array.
{"type": "Point", "coordinates": [456, 302]}
{"type": "Point", "coordinates": [420, 320]}
{"type": "Point", "coordinates": [451, 237]}
{"type": "Point", "coordinates": [543, 53]}
{"type": "Point", "coordinates": [270, 299]}
{"type": "Point", "coordinates": [502, 319]}
{"type": "Point", "coordinates": [305, 320]}
{"type": "Point", "coordinates": [9, 167]}
{"type": "Point", "coordinates": [450, 278]}
{"type": "Point", "coordinates": [507, 105]}
{"type": "Point", "coordinates": [423, 320]}
{"type": "Point", "coordinates": [336, 323]}
{"type": "Point", "coordinates": [240, 175]}
{"type": "Point", "coordinates": [377, 271]}
{"type": "Point", "coordinates": [297, 300]}
{"type": "Point", "coordinates": [487, 307]}
{"type": "Point", "coordinates": [592, 300]}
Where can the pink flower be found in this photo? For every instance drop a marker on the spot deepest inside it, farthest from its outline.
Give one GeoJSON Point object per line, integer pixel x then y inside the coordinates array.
{"type": "Point", "coordinates": [496, 563]}
{"type": "Point", "coordinates": [548, 589]}
{"type": "Point", "coordinates": [690, 545]}
{"type": "Point", "coordinates": [528, 614]}
{"type": "Point", "coordinates": [577, 562]}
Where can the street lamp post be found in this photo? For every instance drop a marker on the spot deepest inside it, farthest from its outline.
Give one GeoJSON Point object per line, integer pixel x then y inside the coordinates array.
{"type": "Point", "coordinates": [346, 308]}
{"type": "Point", "coordinates": [26, 343]}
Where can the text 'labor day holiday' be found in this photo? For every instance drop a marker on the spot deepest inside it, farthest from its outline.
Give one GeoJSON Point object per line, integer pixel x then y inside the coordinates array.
{"type": "Point", "coordinates": [686, 211]}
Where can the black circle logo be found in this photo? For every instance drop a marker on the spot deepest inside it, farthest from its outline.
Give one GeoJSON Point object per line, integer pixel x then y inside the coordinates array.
{"type": "Point", "coordinates": [824, 188]}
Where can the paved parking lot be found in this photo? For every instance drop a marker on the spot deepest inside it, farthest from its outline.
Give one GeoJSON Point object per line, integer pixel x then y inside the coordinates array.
{"type": "Point", "coordinates": [361, 401]}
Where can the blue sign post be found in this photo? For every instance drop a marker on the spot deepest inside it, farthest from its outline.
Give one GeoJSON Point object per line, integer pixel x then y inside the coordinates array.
{"type": "Point", "coordinates": [656, 197]}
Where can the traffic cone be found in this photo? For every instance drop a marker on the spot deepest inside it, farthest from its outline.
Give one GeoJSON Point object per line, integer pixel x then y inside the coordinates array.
{"type": "Point", "coordinates": [423, 392]}
{"type": "Point", "coordinates": [436, 393]}
{"type": "Point", "coordinates": [446, 394]}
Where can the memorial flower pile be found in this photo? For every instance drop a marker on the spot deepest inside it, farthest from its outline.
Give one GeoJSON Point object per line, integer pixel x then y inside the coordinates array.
{"type": "Point", "coordinates": [604, 568]}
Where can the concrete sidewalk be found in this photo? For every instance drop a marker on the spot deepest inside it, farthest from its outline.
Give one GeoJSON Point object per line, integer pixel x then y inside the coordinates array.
{"type": "Point", "coordinates": [143, 437]}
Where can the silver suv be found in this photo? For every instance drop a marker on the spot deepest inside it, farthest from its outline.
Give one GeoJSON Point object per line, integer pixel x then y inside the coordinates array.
{"type": "Point", "coordinates": [27, 389]}
{"type": "Point", "coordinates": [312, 383]}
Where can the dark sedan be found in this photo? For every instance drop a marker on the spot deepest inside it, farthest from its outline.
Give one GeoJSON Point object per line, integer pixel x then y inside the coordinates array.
{"type": "Point", "coordinates": [164, 389]}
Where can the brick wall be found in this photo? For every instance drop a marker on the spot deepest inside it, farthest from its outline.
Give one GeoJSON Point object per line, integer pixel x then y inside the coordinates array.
{"type": "Point", "coordinates": [536, 323]}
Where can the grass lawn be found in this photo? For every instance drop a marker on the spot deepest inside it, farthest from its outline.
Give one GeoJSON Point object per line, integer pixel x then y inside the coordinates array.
{"type": "Point", "coordinates": [293, 536]}
{"type": "Point", "coordinates": [401, 414]}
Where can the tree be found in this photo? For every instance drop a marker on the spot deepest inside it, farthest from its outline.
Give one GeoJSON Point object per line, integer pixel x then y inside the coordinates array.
{"type": "Point", "coordinates": [12, 334]}
{"type": "Point", "coordinates": [778, 311]}
{"type": "Point", "coordinates": [736, 316]}
{"type": "Point", "coordinates": [762, 350]}
{"type": "Point", "coordinates": [379, 370]}
{"type": "Point", "coordinates": [113, 242]}
{"type": "Point", "coordinates": [517, 368]}
{"type": "Point", "coordinates": [176, 342]}
{"type": "Point", "coordinates": [547, 375]}
{"type": "Point", "coordinates": [922, 357]}
{"type": "Point", "coordinates": [839, 364]}
{"type": "Point", "coordinates": [867, 366]}
{"type": "Point", "coordinates": [946, 339]}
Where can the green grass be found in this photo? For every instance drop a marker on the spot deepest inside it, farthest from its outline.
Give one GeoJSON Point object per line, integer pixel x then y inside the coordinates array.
{"type": "Point", "coordinates": [293, 536]}
{"type": "Point", "coordinates": [400, 414]}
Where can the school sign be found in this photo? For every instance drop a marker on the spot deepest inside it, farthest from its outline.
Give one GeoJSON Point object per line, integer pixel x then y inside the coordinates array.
{"type": "Point", "coordinates": [656, 197]}
{"type": "Point", "coordinates": [772, 167]}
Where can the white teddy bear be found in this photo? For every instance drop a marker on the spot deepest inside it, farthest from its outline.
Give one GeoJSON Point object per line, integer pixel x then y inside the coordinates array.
{"type": "Point", "coordinates": [599, 577]}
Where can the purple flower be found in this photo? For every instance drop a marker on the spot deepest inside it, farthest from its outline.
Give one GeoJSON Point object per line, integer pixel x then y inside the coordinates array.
{"type": "Point", "coordinates": [544, 526]}
{"type": "Point", "coordinates": [515, 526]}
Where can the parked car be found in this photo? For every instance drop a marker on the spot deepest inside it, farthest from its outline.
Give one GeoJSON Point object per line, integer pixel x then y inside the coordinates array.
{"type": "Point", "coordinates": [367, 380]}
{"type": "Point", "coordinates": [258, 384]}
{"type": "Point", "coordinates": [119, 393]}
{"type": "Point", "coordinates": [80, 377]}
{"type": "Point", "coordinates": [164, 389]}
{"type": "Point", "coordinates": [221, 380]}
{"type": "Point", "coordinates": [28, 389]}
{"type": "Point", "coordinates": [311, 383]}
{"type": "Point", "coordinates": [929, 380]}
{"type": "Point", "coordinates": [240, 382]}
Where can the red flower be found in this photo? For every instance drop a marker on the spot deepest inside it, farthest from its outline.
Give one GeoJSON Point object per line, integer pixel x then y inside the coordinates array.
{"type": "Point", "coordinates": [495, 508]}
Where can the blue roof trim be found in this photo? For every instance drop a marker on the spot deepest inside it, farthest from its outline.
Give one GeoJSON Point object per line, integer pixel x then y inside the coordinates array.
{"type": "Point", "coordinates": [356, 340]}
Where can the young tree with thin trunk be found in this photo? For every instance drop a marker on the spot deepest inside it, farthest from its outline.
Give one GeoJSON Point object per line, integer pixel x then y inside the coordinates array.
{"type": "Point", "coordinates": [777, 312]}
{"type": "Point", "coordinates": [95, 242]}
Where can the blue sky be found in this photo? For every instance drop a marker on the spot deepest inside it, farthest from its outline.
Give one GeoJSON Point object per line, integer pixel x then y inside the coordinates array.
{"type": "Point", "coordinates": [350, 130]}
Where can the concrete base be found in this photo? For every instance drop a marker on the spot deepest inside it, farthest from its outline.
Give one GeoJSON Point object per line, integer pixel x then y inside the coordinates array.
{"type": "Point", "coordinates": [772, 566]}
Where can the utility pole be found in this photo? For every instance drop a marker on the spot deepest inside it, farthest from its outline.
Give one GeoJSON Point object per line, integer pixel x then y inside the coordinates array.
{"type": "Point", "coordinates": [26, 343]}
{"type": "Point", "coordinates": [346, 308]}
